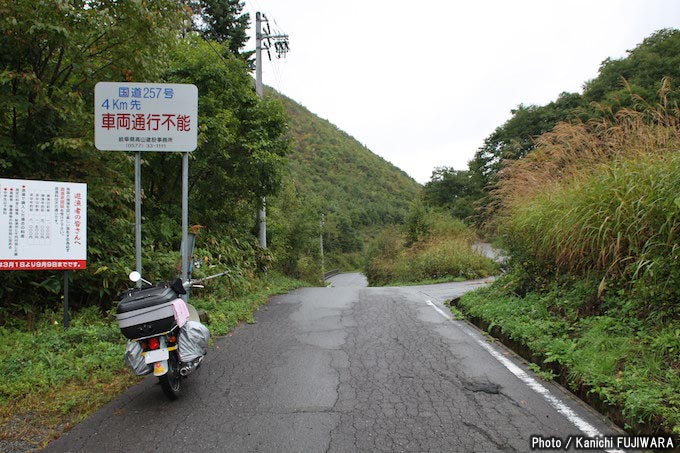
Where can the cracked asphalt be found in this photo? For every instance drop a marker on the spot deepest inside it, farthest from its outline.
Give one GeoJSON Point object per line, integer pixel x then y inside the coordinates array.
{"type": "Point", "coordinates": [341, 369]}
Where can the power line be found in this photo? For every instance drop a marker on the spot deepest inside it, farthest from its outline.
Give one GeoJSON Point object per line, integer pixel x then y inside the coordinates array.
{"type": "Point", "coordinates": [215, 50]}
{"type": "Point", "coordinates": [278, 73]}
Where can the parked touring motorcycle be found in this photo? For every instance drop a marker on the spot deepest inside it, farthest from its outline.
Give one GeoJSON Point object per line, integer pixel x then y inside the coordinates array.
{"type": "Point", "coordinates": [165, 335]}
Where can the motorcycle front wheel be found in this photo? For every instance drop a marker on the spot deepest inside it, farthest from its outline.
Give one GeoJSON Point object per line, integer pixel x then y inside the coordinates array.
{"type": "Point", "coordinates": [171, 382]}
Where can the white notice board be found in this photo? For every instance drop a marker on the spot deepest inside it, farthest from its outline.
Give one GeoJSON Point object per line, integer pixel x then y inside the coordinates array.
{"type": "Point", "coordinates": [145, 116]}
{"type": "Point", "coordinates": [43, 225]}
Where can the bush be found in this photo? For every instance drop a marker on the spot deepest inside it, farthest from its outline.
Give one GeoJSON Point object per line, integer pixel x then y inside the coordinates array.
{"type": "Point", "coordinates": [442, 251]}
{"type": "Point", "coordinates": [599, 201]}
{"type": "Point", "coordinates": [591, 220]}
{"type": "Point", "coordinates": [632, 366]}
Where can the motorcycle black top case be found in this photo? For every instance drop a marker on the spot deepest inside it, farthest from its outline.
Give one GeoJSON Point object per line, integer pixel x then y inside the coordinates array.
{"type": "Point", "coordinates": [145, 312]}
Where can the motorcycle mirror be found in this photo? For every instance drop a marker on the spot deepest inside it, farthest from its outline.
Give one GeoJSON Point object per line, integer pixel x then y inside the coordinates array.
{"type": "Point", "coordinates": [135, 276]}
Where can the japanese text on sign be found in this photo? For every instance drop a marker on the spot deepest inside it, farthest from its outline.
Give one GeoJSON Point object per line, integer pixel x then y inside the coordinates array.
{"type": "Point", "coordinates": [146, 117]}
{"type": "Point", "coordinates": [43, 225]}
{"type": "Point", "coordinates": [149, 122]}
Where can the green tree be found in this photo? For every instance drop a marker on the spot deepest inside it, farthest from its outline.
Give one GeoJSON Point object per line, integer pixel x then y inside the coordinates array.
{"type": "Point", "coordinates": [453, 190]}
{"type": "Point", "coordinates": [417, 223]}
{"type": "Point", "coordinates": [641, 72]}
{"type": "Point", "coordinates": [293, 228]}
{"type": "Point", "coordinates": [242, 147]}
{"type": "Point", "coordinates": [51, 56]}
{"type": "Point", "coordinates": [224, 21]}
{"type": "Point", "coordinates": [52, 53]}
{"type": "Point", "coordinates": [515, 138]}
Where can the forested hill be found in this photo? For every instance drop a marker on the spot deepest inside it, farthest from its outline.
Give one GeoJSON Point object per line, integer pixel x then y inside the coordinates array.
{"type": "Point", "coordinates": [350, 181]}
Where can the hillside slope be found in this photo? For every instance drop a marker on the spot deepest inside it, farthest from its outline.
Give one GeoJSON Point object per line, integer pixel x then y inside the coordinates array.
{"type": "Point", "coordinates": [331, 176]}
{"type": "Point", "coordinates": [352, 180]}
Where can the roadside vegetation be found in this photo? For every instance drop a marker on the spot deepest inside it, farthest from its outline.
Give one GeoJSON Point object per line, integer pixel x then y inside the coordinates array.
{"type": "Point", "coordinates": [582, 195]}
{"type": "Point", "coordinates": [55, 377]}
{"type": "Point", "coordinates": [591, 219]}
{"type": "Point", "coordinates": [432, 247]}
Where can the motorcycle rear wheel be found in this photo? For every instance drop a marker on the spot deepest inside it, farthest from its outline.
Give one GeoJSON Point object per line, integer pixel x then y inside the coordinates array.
{"type": "Point", "coordinates": [171, 382]}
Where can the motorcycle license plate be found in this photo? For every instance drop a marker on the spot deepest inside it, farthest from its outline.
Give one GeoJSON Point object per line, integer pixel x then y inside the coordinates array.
{"type": "Point", "coordinates": [156, 355]}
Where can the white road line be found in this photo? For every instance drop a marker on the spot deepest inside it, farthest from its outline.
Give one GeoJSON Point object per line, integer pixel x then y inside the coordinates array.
{"type": "Point", "coordinates": [439, 310]}
{"type": "Point", "coordinates": [585, 427]}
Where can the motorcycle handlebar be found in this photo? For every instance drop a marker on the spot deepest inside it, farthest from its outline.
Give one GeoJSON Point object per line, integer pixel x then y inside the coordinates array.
{"type": "Point", "coordinates": [179, 286]}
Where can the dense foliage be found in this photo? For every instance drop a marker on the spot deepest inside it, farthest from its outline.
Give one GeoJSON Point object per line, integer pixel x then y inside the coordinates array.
{"type": "Point", "coordinates": [456, 191]}
{"type": "Point", "coordinates": [224, 21]}
{"type": "Point", "coordinates": [430, 247]}
{"type": "Point", "coordinates": [51, 56]}
{"type": "Point", "coordinates": [600, 200]}
{"type": "Point", "coordinates": [515, 139]}
{"type": "Point", "coordinates": [640, 73]}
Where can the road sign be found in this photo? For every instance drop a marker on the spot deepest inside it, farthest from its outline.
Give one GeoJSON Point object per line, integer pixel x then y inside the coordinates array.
{"type": "Point", "coordinates": [145, 116]}
{"type": "Point", "coordinates": [43, 225]}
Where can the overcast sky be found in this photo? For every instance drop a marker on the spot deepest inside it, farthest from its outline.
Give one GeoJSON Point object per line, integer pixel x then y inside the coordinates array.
{"type": "Point", "coordinates": [423, 83]}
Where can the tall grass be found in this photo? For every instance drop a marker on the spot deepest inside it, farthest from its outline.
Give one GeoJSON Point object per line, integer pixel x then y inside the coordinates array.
{"type": "Point", "coordinates": [574, 150]}
{"type": "Point", "coordinates": [591, 219]}
{"type": "Point", "coordinates": [598, 198]}
{"type": "Point", "coordinates": [620, 220]}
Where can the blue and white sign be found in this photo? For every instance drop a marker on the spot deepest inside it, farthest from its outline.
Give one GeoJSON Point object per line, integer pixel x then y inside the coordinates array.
{"type": "Point", "coordinates": [145, 116]}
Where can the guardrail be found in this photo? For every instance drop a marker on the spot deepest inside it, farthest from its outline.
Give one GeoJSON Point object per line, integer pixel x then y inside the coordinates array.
{"type": "Point", "coordinates": [329, 274]}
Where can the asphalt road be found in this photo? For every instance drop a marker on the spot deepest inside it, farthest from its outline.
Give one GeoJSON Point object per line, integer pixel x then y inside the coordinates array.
{"type": "Point", "coordinates": [342, 369]}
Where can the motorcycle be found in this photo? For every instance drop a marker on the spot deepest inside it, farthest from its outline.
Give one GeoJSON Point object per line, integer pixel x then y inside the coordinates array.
{"type": "Point", "coordinates": [165, 335]}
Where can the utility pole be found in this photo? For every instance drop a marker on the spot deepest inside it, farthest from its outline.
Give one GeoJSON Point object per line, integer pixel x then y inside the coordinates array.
{"type": "Point", "coordinates": [321, 225]}
{"type": "Point", "coordinates": [281, 47]}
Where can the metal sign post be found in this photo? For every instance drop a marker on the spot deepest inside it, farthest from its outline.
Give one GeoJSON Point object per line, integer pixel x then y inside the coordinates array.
{"type": "Point", "coordinates": [66, 320]}
{"type": "Point", "coordinates": [185, 255]}
{"type": "Point", "coordinates": [141, 117]}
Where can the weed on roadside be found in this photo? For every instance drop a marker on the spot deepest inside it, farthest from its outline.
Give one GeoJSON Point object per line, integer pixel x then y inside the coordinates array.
{"type": "Point", "coordinates": [55, 378]}
{"type": "Point", "coordinates": [632, 367]}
